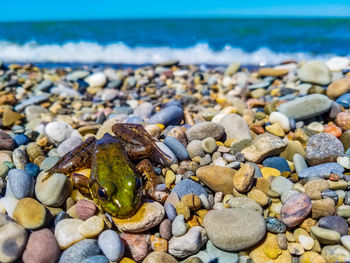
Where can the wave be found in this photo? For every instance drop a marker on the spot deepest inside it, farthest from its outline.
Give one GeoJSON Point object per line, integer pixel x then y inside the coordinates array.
{"type": "Point", "coordinates": [119, 53]}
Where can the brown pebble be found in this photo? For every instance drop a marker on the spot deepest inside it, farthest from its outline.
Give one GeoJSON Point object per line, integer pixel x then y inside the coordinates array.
{"type": "Point", "coordinates": [295, 209]}
{"type": "Point", "coordinates": [85, 209]}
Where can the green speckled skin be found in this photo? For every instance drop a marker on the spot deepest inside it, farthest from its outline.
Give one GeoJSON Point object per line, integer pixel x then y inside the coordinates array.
{"type": "Point", "coordinates": [111, 170]}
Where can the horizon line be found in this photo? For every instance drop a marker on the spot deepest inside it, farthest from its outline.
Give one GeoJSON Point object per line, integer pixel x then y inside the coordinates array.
{"type": "Point", "coordinates": [182, 17]}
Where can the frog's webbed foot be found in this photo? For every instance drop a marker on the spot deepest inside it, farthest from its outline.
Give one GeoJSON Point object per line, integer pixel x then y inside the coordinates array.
{"type": "Point", "coordinates": [145, 168]}
{"type": "Point", "coordinates": [81, 182]}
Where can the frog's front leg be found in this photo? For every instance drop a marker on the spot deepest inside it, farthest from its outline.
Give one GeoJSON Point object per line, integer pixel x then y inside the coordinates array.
{"type": "Point", "coordinates": [145, 168]}
{"type": "Point", "coordinates": [78, 158]}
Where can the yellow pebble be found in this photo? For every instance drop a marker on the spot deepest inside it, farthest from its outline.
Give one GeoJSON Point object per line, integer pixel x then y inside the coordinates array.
{"type": "Point", "coordinates": [275, 129]}
{"type": "Point", "coordinates": [159, 244]}
{"type": "Point", "coordinates": [195, 221]}
{"type": "Point", "coordinates": [219, 143]}
{"type": "Point", "coordinates": [161, 126]}
{"type": "Point", "coordinates": [268, 171]}
{"type": "Point", "coordinates": [201, 213]}
{"type": "Point", "coordinates": [220, 98]}
{"type": "Point", "coordinates": [258, 196]}
{"type": "Point", "coordinates": [91, 227]}
{"type": "Point", "coordinates": [192, 201]}
{"type": "Point", "coordinates": [76, 195]}
{"type": "Point", "coordinates": [169, 178]}
{"type": "Point", "coordinates": [126, 260]}
{"type": "Point", "coordinates": [311, 257]}
{"type": "Point", "coordinates": [183, 209]}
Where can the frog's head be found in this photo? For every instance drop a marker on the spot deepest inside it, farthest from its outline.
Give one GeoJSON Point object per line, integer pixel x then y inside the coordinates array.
{"type": "Point", "coordinates": [121, 202]}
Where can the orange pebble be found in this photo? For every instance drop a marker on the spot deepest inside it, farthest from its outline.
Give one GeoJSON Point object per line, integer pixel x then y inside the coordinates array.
{"type": "Point", "coordinates": [334, 177]}
{"type": "Point", "coordinates": [333, 129]}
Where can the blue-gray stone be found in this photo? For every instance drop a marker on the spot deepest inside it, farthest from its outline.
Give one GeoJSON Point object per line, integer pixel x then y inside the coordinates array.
{"type": "Point", "coordinates": [188, 186]}
{"type": "Point", "coordinates": [336, 223]}
{"type": "Point", "coordinates": [344, 100]}
{"type": "Point", "coordinates": [32, 169]}
{"type": "Point", "coordinates": [31, 101]}
{"type": "Point", "coordinates": [80, 251]}
{"type": "Point", "coordinates": [220, 256]}
{"type": "Point", "coordinates": [96, 259]}
{"type": "Point", "coordinates": [174, 103]}
{"type": "Point", "coordinates": [111, 245]}
{"type": "Point", "coordinates": [49, 162]}
{"type": "Point", "coordinates": [321, 170]}
{"type": "Point", "coordinates": [278, 163]}
{"type": "Point", "coordinates": [171, 115]}
{"type": "Point", "coordinates": [292, 124]}
{"type": "Point", "coordinates": [177, 148]}
{"type": "Point", "coordinates": [274, 225]}
{"type": "Point", "coordinates": [333, 195]}
{"type": "Point", "coordinates": [170, 211]}
{"type": "Point", "coordinates": [123, 110]}
{"type": "Point", "coordinates": [144, 110]}
{"type": "Point", "coordinates": [259, 85]}
{"type": "Point", "coordinates": [134, 120]}
{"type": "Point", "coordinates": [299, 162]}
{"type": "Point", "coordinates": [45, 86]}
{"type": "Point", "coordinates": [257, 172]}
{"type": "Point", "coordinates": [21, 183]}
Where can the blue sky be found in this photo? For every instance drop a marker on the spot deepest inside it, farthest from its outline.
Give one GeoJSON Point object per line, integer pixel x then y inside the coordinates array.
{"type": "Point", "coordinates": [28, 10]}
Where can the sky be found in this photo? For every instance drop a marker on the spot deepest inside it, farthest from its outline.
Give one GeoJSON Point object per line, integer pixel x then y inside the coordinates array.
{"type": "Point", "coordinates": [39, 10]}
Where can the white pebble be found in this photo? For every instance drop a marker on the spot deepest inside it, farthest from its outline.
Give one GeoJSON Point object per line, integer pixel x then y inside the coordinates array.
{"type": "Point", "coordinates": [306, 241]}
{"type": "Point", "coordinates": [277, 117]}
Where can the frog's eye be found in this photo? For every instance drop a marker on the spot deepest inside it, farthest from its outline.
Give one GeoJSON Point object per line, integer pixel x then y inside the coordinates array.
{"type": "Point", "coordinates": [102, 192]}
{"type": "Point", "coordinates": [138, 183]}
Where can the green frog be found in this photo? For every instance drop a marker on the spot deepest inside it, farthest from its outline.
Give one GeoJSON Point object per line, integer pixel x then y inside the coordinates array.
{"type": "Point", "coordinates": [115, 182]}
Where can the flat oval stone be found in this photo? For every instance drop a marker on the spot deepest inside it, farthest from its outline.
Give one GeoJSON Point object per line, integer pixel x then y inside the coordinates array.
{"type": "Point", "coordinates": [149, 215]}
{"type": "Point", "coordinates": [315, 71]}
{"type": "Point", "coordinates": [188, 186]}
{"type": "Point", "coordinates": [274, 225]}
{"type": "Point", "coordinates": [80, 251]}
{"type": "Point", "coordinates": [204, 130]}
{"type": "Point", "coordinates": [21, 183]}
{"type": "Point", "coordinates": [295, 209]}
{"type": "Point", "coordinates": [111, 245]}
{"type": "Point", "coordinates": [336, 223]}
{"type": "Point", "coordinates": [278, 163]}
{"type": "Point", "coordinates": [306, 107]}
{"type": "Point", "coordinates": [29, 213]}
{"type": "Point", "coordinates": [335, 253]}
{"type": "Point", "coordinates": [67, 232]}
{"type": "Point", "coordinates": [325, 236]}
{"type": "Point", "coordinates": [322, 170]}
{"type": "Point", "coordinates": [234, 229]}
{"type": "Point", "coordinates": [244, 178]}
{"type": "Point", "coordinates": [171, 115]}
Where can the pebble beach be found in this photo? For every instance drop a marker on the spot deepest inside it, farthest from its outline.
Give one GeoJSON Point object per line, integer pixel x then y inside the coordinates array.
{"type": "Point", "coordinates": [258, 166]}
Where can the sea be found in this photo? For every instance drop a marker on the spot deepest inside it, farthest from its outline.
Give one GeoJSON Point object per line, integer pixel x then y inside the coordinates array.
{"type": "Point", "coordinates": [250, 41]}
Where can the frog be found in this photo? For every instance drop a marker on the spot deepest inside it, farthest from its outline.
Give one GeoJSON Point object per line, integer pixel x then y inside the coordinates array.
{"type": "Point", "coordinates": [115, 183]}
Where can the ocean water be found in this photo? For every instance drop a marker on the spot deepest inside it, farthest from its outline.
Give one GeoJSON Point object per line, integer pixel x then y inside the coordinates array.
{"type": "Point", "coordinates": [192, 41]}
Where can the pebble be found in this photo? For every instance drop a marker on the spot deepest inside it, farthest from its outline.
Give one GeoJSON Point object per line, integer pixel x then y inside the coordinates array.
{"type": "Point", "coordinates": [322, 169]}
{"type": "Point", "coordinates": [32, 169]}
{"type": "Point", "coordinates": [20, 159]}
{"type": "Point", "coordinates": [178, 227]}
{"type": "Point", "coordinates": [220, 256]}
{"type": "Point", "coordinates": [345, 241]}
{"type": "Point", "coordinates": [98, 79]}
{"type": "Point", "coordinates": [306, 241]}
{"type": "Point", "coordinates": [234, 229]}
{"type": "Point", "coordinates": [188, 186]}
{"type": "Point", "coordinates": [91, 227]}
{"type": "Point", "coordinates": [48, 163]}
{"type": "Point", "coordinates": [263, 146]}
{"type": "Point", "coordinates": [31, 101]}
{"type": "Point", "coordinates": [217, 178]}
{"type": "Point", "coordinates": [159, 256]}
{"type": "Point", "coordinates": [236, 128]}
{"type": "Point", "coordinates": [21, 183]}
{"type": "Point", "coordinates": [13, 239]}
{"type": "Point", "coordinates": [6, 141]}
{"type": "Point", "coordinates": [111, 245]}
{"type": "Point", "coordinates": [170, 211]}
{"type": "Point", "coordinates": [295, 209]}
{"type": "Point", "coordinates": [68, 145]}
{"type": "Point", "coordinates": [277, 117]}
{"type": "Point", "coordinates": [194, 149]}
{"type": "Point", "coordinates": [274, 225]}
{"type": "Point", "coordinates": [344, 100]}
{"type": "Point", "coordinates": [306, 107]}
{"type": "Point", "coordinates": [338, 88]}
{"type": "Point", "coordinates": [325, 236]}
{"type": "Point", "coordinates": [315, 72]}
{"type": "Point", "coordinates": [85, 209]}
{"type": "Point", "coordinates": [278, 163]}
{"type": "Point", "coordinates": [80, 251]}
{"type": "Point", "coordinates": [171, 115]}
{"type": "Point", "coordinates": [95, 259]}
{"type": "Point", "coordinates": [67, 232]}
{"type": "Point", "coordinates": [335, 253]}
{"type": "Point", "coordinates": [21, 139]}
{"type": "Point", "coordinates": [246, 203]}
{"type": "Point", "coordinates": [335, 223]}
{"type": "Point", "coordinates": [34, 252]}
{"type": "Point", "coordinates": [165, 229]}
{"type": "Point", "coordinates": [54, 190]}
{"type": "Point", "coordinates": [136, 245]}
{"type": "Point", "coordinates": [244, 178]}
{"type": "Point", "coordinates": [281, 184]}
{"type": "Point", "coordinates": [258, 196]}
{"type": "Point", "coordinates": [29, 213]}
{"type": "Point", "coordinates": [204, 130]}
{"type": "Point", "coordinates": [58, 131]}
{"type": "Point", "coordinates": [188, 244]}
{"type": "Point", "coordinates": [177, 148]}
{"type": "Point", "coordinates": [149, 215]}
{"type": "Point", "coordinates": [323, 148]}
{"type": "Point", "coordinates": [209, 145]}
{"type": "Point", "coordinates": [144, 110]}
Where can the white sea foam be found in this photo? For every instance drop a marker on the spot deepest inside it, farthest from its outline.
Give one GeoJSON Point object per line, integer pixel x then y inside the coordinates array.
{"type": "Point", "coordinates": [87, 52]}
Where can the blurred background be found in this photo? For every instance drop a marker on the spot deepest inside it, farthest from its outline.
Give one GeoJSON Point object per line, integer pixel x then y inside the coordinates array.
{"type": "Point", "coordinates": [194, 32]}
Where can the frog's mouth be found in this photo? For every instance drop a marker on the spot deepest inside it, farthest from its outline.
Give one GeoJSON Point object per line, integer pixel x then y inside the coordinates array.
{"type": "Point", "coordinates": [120, 203]}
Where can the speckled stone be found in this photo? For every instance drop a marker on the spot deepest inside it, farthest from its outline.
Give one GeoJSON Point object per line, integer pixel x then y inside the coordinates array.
{"type": "Point", "coordinates": [323, 148]}
{"type": "Point", "coordinates": [295, 209]}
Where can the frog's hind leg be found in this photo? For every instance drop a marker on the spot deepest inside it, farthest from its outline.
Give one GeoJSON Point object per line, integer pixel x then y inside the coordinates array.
{"type": "Point", "coordinates": [145, 168]}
